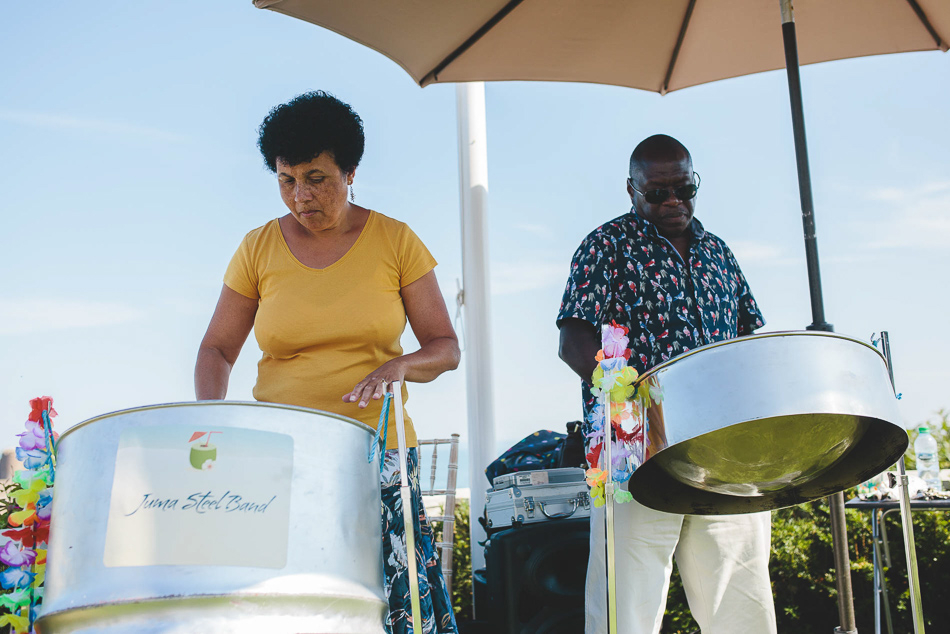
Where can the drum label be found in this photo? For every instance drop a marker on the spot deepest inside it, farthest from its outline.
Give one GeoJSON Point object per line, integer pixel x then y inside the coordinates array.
{"type": "Point", "coordinates": [200, 497]}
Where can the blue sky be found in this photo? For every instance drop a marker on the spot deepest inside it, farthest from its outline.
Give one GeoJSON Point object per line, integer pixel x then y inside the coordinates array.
{"type": "Point", "coordinates": [129, 174]}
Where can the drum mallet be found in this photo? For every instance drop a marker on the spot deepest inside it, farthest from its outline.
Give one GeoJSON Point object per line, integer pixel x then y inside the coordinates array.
{"type": "Point", "coordinates": [609, 507]}
{"type": "Point", "coordinates": [408, 512]}
{"type": "Point", "coordinates": [610, 380]}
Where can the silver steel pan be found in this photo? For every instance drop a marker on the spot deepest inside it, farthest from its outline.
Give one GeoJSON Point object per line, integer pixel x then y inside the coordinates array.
{"type": "Point", "coordinates": [313, 564]}
{"type": "Point", "coordinates": [766, 421]}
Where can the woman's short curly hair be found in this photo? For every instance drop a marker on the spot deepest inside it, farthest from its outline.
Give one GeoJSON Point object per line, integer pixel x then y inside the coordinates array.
{"type": "Point", "coordinates": [308, 125]}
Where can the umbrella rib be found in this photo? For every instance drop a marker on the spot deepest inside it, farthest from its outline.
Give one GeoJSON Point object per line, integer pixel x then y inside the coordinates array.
{"type": "Point", "coordinates": [926, 22]}
{"type": "Point", "coordinates": [679, 43]}
{"type": "Point", "coordinates": [433, 75]}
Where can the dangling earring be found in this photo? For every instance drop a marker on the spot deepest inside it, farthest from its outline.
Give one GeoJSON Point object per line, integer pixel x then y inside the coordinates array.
{"type": "Point", "coordinates": [352, 195]}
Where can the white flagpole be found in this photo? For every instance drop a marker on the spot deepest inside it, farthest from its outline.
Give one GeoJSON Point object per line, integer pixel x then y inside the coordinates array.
{"type": "Point", "coordinates": [475, 297]}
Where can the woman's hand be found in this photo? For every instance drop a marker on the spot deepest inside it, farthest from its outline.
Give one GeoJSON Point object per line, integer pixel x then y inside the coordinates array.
{"type": "Point", "coordinates": [377, 382]}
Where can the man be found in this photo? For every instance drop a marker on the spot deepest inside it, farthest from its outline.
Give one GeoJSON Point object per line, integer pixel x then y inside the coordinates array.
{"type": "Point", "coordinates": [676, 286]}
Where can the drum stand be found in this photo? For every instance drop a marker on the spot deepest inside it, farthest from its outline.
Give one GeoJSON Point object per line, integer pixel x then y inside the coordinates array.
{"type": "Point", "coordinates": [907, 524]}
{"type": "Point", "coordinates": [407, 510]}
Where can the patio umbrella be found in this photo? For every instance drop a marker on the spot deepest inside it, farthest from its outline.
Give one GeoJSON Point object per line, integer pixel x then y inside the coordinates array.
{"type": "Point", "coordinates": [649, 45]}
{"type": "Point", "coordinates": [658, 46]}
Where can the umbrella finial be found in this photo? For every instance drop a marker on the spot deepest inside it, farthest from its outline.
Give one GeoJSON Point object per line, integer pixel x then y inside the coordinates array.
{"type": "Point", "coordinates": [788, 13]}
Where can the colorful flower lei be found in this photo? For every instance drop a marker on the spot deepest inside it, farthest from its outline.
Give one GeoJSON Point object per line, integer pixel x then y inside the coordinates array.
{"type": "Point", "coordinates": [613, 383]}
{"type": "Point", "coordinates": [26, 533]}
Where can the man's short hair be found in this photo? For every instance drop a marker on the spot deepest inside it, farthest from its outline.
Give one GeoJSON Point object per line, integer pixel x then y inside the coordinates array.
{"type": "Point", "coordinates": [659, 147]}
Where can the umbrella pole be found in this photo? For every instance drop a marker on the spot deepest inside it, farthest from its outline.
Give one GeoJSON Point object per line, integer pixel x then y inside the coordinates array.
{"type": "Point", "coordinates": [839, 531]}
{"type": "Point", "coordinates": [804, 175]}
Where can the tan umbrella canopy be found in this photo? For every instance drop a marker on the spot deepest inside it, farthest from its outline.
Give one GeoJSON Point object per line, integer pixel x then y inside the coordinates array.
{"type": "Point", "coordinates": [656, 45]}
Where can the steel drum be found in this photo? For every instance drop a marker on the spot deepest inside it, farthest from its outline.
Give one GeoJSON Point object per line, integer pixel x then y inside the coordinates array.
{"type": "Point", "coordinates": [766, 421]}
{"type": "Point", "coordinates": [317, 566]}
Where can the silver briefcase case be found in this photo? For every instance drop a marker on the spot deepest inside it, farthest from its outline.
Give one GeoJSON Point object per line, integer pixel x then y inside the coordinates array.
{"type": "Point", "coordinates": [527, 497]}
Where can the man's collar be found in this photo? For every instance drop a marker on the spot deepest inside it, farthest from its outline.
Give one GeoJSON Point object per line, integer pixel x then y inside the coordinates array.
{"type": "Point", "coordinates": [695, 227]}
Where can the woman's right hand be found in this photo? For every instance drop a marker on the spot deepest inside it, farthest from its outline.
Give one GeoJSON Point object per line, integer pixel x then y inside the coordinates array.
{"type": "Point", "coordinates": [375, 384]}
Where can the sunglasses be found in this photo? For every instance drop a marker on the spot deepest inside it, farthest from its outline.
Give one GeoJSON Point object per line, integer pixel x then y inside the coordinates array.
{"type": "Point", "coordinates": [657, 196]}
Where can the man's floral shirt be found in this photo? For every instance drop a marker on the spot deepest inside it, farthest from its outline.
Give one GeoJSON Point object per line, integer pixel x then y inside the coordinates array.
{"type": "Point", "coordinates": [625, 271]}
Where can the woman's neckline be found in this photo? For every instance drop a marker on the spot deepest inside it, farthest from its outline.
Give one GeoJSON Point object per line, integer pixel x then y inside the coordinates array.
{"type": "Point", "coordinates": [365, 229]}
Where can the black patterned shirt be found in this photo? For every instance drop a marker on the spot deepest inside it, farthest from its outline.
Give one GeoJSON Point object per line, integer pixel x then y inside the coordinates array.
{"type": "Point", "coordinates": [625, 271]}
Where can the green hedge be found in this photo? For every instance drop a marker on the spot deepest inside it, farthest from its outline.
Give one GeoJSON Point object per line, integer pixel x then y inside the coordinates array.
{"type": "Point", "coordinates": [803, 578]}
{"type": "Point", "coordinates": [802, 566]}
{"type": "Point", "coordinates": [461, 561]}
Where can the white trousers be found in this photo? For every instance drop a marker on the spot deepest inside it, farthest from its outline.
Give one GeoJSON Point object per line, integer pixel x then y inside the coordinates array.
{"type": "Point", "coordinates": [722, 559]}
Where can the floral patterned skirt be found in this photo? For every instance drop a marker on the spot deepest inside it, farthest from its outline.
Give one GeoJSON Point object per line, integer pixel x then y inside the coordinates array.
{"type": "Point", "coordinates": [434, 600]}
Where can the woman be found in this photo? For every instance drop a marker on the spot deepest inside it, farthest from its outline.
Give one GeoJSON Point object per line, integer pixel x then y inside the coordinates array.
{"type": "Point", "coordinates": [328, 288]}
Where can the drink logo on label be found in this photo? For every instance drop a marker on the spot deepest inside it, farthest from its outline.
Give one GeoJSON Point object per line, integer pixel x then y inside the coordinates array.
{"type": "Point", "coordinates": [202, 456]}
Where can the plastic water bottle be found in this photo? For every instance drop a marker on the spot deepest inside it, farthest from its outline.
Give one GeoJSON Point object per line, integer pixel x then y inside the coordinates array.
{"type": "Point", "coordinates": [928, 467]}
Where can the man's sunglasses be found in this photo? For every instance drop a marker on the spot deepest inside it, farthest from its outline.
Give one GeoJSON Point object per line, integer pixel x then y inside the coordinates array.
{"type": "Point", "coordinates": [657, 196]}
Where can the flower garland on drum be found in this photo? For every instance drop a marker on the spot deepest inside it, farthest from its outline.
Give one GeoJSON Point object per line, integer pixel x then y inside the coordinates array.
{"type": "Point", "coordinates": [23, 550]}
{"type": "Point", "coordinates": [613, 382]}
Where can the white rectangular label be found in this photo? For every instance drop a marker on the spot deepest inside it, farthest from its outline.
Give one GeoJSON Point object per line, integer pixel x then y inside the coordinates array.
{"type": "Point", "coordinates": [539, 477]}
{"type": "Point", "coordinates": [200, 497]}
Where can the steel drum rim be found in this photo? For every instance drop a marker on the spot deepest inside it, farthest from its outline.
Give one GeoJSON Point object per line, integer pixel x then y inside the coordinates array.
{"type": "Point", "coordinates": [211, 403]}
{"type": "Point", "coordinates": [158, 609]}
{"type": "Point", "coordinates": [765, 335]}
{"type": "Point", "coordinates": [257, 597]}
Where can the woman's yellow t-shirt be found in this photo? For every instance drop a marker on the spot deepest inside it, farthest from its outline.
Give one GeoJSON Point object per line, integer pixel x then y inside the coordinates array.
{"type": "Point", "coordinates": [324, 330]}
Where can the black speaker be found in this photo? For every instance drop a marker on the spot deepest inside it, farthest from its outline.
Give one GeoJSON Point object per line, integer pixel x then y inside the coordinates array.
{"type": "Point", "coordinates": [480, 600]}
{"type": "Point", "coordinates": [535, 576]}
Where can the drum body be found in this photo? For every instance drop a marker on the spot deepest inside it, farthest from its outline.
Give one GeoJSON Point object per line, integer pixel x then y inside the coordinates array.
{"type": "Point", "coordinates": [767, 421]}
{"type": "Point", "coordinates": [316, 568]}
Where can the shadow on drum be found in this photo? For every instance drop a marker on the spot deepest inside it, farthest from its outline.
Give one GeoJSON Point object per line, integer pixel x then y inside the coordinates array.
{"type": "Point", "coordinates": [764, 422]}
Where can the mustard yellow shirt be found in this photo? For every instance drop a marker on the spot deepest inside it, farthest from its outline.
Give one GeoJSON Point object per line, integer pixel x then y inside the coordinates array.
{"type": "Point", "coordinates": [323, 330]}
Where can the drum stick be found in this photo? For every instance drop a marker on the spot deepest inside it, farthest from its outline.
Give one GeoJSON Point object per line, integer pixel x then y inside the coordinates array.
{"type": "Point", "coordinates": [407, 510]}
{"type": "Point", "coordinates": [609, 497]}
